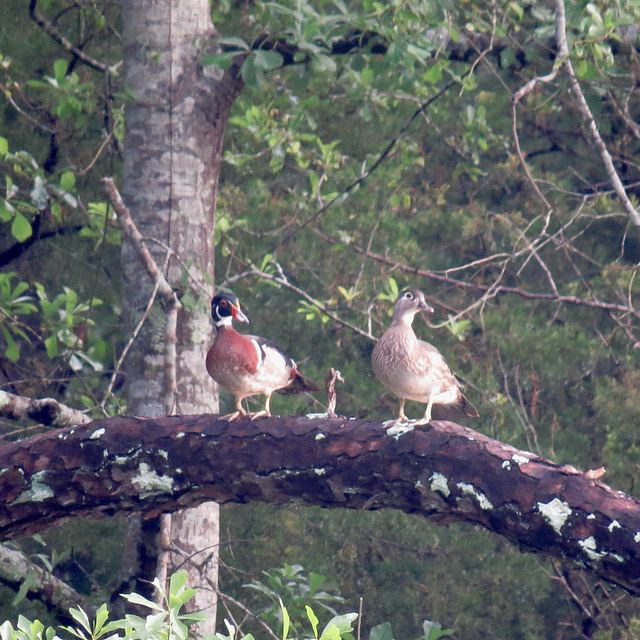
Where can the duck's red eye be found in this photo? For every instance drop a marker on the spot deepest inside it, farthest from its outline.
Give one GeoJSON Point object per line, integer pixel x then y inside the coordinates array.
{"type": "Point", "coordinates": [223, 303]}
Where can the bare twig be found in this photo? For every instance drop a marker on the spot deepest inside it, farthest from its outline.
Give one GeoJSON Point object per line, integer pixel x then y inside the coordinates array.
{"type": "Point", "coordinates": [131, 231]}
{"type": "Point", "coordinates": [49, 28]}
{"type": "Point", "coordinates": [441, 276]}
{"type": "Point", "coordinates": [384, 154]}
{"type": "Point", "coordinates": [131, 341]}
{"type": "Point", "coordinates": [332, 397]}
{"type": "Point", "coordinates": [563, 61]}
{"type": "Point", "coordinates": [249, 614]}
{"type": "Point", "coordinates": [282, 280]}
{"type": "Point", "coordinates": [592, 127]}
{"type": "Point", "coordinates": [162, 565]}
{"type": "Point", "coordinates": [8, 95]}
{"type": "Point", "coordinates": [170, 300]}
{"type": "Point", "coordinates": [105, 142]}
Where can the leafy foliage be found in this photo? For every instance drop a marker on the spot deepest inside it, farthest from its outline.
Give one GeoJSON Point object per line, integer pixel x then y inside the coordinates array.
{"type": "Point", "coordinates": [167, 622]}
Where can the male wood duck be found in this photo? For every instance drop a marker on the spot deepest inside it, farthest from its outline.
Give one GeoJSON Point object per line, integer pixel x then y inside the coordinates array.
{"type": "Point", "coordinates": [413, 369]}
{"type": "Point", "coordinates": [247, 365]}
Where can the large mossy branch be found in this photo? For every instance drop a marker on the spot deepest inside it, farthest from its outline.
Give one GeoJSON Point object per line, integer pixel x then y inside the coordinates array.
{"type": "Point", "coordinates": [445, 471]}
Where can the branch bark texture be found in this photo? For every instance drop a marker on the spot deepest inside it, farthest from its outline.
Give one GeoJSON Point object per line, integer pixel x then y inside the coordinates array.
{"type": "Point", "coordinates": [446, 472]}
{"type": "Point", "coordinates": [47, 411]}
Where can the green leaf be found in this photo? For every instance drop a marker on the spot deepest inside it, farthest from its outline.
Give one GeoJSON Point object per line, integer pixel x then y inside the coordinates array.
{"type": "Point", "coordinates": [251, 75]}
{"type": "Point", "coordinates": [342, 623]}
{"type": "Point", "coordinates": [220, 60]}
{"type": "Point", "coordinates": [178, 580]}
{"type": "Point", "coordinates": [331, 632]}
{"type": "Point", "coordinates": [11, 352]}
{"type": "Point", "coordinates": [381, 632]}
{"type": "Point", "coordinates": [434, 630]}
{"type": "Point", "coordinates": [233, 41]}
{"type": "Point", "coordinates": [186, 595]}
{"type": "Point", "coordinates": [102, 615]}
{"type": "Point", "coordinates": [67, 181]}
{"type": "Point", "coordinates": [433, 74]}
{"type": "Point", "coordinates": [189, 301]}
{"type": "Point", "coordinates": [315, 579]}
{"type": "Point", "coordinates": [4, 146]}
{"type": "Point", "coordinates": [313, 619]}
{"type": "Point", "coordinates": [136, 598]}
{"type": "Point", "coordinates": [469, 82]}
{"type": "Point", "coordinates": [285, 621]}
{"type": "Point", "coordinates": [50, 634]}
{"type": "Point", "coordinates": [81, 618]}
{"type": "Point", "coordinates": [21, 228]}
{"type": "Point", "coordinates": [268, 60]}
{"type": "Point", "coordinates": [197, 616]}
{"type": "Point", "coordinates": [60, 70]}
{"type": "Point", "coordinates": [28, 582]}
{"type": "Point", "coordinates": [51, 345]}
{"type": "Point", "coordinates": [323, 64]}
{"type": "Point", "coordinates": [5, 213]}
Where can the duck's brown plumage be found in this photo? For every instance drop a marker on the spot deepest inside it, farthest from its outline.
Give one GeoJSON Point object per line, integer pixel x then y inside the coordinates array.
{"type": "Point", "coordinates": [247, 365]}
{"type": "Point", "coordinates": [413, 369]}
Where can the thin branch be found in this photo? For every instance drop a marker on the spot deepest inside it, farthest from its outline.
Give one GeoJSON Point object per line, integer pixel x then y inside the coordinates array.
{"type": "Point", "coordinates": [53, 31]}
{"type": "Point", "coordinates": [441, 276]}
{"type": "Point", "coordinates": [592, 127]}
{"type": "Point", "coordinates": [132, 339]}
{"type": "Point", "coordinates": [15, 567]}
{"type": "Point", "coordinates": [8, 95]}
{"type": "Point", "coordinates": [170, 300]}
{"type": "Point", "coordinates": [384, 154]}
{"type": "Point", "coordinates": [282, 280]}
{"type": "Point", "coordinates": [247, 612]}
{"type": "Point", "coordinates": [131, 231]}
{"type": "Point", "coordinates": [105, 142]}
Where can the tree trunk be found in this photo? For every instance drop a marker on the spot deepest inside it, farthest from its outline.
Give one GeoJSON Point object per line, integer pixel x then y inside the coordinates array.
{"type": "Point", "coordinates": [445, 471]}
{"type": "Point", "coordinates": [173, 140]}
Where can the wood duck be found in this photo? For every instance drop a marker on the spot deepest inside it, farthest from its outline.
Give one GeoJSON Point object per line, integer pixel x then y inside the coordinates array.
{"type": "Point", "coordinates": [247, 365]}
{"type": "Point", "coordinates": [413, 369]}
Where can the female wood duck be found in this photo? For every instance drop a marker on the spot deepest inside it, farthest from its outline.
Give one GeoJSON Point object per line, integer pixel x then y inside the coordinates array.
{"type": "Point", "coordinates": [413, 369]}
{"type": "Point", "coordinates": [249, 365]}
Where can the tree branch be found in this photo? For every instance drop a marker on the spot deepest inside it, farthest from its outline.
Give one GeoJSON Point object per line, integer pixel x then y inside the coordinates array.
{"type": "Point", "coordinates": [585, 111]}
{"type": "Point", "coordinates": [282, 280]}
{"type": "Point", "coordinates": [444, 471]}
{"type": "Point", "coordinates": [54, 32]}
{"type": "Point", "coordinates": [382, 156]}
{"type": "Point", "coordinates": [563, 61]}
{"type": "Point", "coordinates": [144, 255]}
{"type": "Point", "coordinates": [46, 411]}
{"type": "Point", "coordinates": [495, 289]}
{"type": "Point", "coordinates": [58, 596]}
{"type": "Point", "coordinates": [169, 297]}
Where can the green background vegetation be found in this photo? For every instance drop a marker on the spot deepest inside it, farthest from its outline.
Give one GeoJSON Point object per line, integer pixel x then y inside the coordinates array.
{"type": "Point", "coordinates": [451, 199]}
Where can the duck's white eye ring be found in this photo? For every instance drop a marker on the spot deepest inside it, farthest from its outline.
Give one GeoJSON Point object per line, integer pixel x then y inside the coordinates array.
{"type": "Point", "coordinates": [408, 295]}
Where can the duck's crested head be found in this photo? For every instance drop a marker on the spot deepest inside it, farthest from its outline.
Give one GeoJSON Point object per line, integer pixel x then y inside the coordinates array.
{"type": "Point", "coordinates": [409, 303]}
{"type": "Point", "coordinates": [225, 308]}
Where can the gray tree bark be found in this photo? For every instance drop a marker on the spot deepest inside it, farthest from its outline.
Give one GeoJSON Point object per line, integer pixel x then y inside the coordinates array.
{"type": "Point", "coordinates": [174, 131]}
